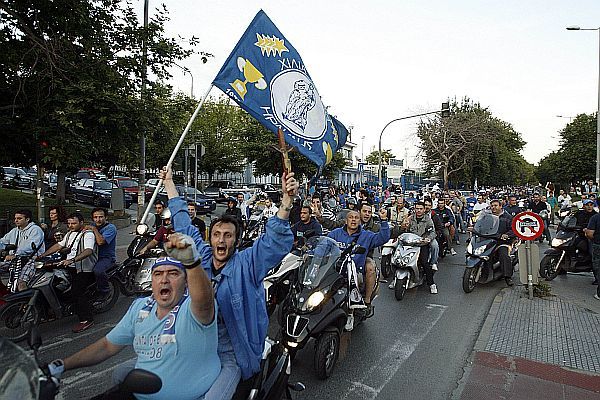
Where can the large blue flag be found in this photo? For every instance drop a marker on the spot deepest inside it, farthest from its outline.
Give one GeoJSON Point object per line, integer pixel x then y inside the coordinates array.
{"type": "Point", "coordinates": [265, 75]}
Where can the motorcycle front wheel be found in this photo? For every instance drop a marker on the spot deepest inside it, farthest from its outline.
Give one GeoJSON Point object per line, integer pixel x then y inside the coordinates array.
{"type": "Point", "coordinates": [16, 318]}
{"type": "Point", "coordinates": [469, 279]}
{"type": "Point", "coordinates": [327, 349]}
{"type": "Point", "coordinates": [103, 305]}
{"type": "Point", "coordinates": [400, 288]}
{"type": "Point", "coordinates": [549, 267]}
{"type": "Point", "coordinates": [386, 266]}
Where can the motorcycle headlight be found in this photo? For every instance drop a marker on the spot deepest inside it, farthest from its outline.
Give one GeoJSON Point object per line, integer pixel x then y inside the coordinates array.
{"type": "Point", "coordinates": [558, 242]}
{"type": "Point", "coordinates": [479, 251]}
{"type": "Point", "coordinates": [141, 229]}
{"type": "Point", "coordinates": [314, 300]}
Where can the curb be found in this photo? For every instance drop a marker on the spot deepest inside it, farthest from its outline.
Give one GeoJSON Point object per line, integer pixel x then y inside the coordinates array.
{"type": "Point", "coordinates": [480, 343]}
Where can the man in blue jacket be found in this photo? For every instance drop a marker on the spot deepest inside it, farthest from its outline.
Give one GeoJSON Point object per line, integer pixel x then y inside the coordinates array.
{"type": "Point", "coordinates": [238, 281]}
{"type": "Point", "coordinates": [354, 232]}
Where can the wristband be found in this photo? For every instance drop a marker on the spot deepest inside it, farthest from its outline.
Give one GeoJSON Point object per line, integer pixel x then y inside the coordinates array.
{"type": "Point", "coordinates": [56, 368]}
{"type": "Point", "coordinates": [193, 265]}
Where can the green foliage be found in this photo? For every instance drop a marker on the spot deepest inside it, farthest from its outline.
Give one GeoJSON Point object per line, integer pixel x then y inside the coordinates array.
{"type": "Point", "coordinates": [71, 77]}
{"type": "Point", "coordinates": [373, 158]}
{"type": "Point", "coordinates": [576, 158]}
{"type": "Point", "coordinates": [473, 144]}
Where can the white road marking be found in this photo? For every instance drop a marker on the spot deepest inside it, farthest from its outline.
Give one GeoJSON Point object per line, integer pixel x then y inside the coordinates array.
{"type": "Point", "coordinates": [374, 379]}
{"type": "Point", "coordinates": [61, 340]}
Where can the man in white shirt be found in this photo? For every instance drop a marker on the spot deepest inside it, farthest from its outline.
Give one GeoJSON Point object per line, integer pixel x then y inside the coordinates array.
{"type": "Point", "coordinates": [564, 199]}
{"type": "Point", "coordinates": [270, 208]}
{"type": "Point", "coordinates": [82, 256]}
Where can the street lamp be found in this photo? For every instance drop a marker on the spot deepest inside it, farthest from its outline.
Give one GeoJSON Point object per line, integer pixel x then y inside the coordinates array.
{"type": "Point", "coordinates": [565, 116]}
{"type": "Point", "coordinates": [577, 28]}
{"type": "Point", "coordinates": [142, 187]}
{"type": "Point", "coordinates": [186, 70]}
{"type": "Point", "coordinates": [445, 111]}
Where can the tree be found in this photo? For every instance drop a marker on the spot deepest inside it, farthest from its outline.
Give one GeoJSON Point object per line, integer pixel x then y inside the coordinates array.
{"type": "Point", "coordinates": [373, 158]}
{"type": "Point", "coordinates": [576, 158]}
{"type": "Point", "coordinates": [70, 78]}
{"type": "Point", "coordinates": [473, 144]}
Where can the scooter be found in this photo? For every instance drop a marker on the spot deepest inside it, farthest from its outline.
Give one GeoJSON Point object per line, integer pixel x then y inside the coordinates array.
{"type": "Point", "coordinates": [569, 251]}
{"type": "Point", "coordinates": [408, 273]}
{"type": "Point", "coordinates": [48, 298]}
{"type": "Point", "coordinates": [387, 251]}
{"type": "Point", "coordinates": [318, 303]}
{"type": "Point", "coordinates": [482, 263]}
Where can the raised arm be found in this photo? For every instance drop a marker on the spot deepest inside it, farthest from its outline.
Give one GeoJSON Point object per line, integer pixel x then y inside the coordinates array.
{"type": "Point", "coordinates": [384, 233]}
{"type": "Point", "coordinates": [182, 248]}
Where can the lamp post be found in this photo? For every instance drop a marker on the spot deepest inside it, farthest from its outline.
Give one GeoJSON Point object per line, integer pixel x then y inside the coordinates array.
{"type": "Point", "coordinates": [577, 28]}
{"type": "Point", "coordinates": [142, 180]}
{"type": "Point", "coordinates": [565, 116]}
{"type": "Point", "coordinates": [186, 70]}
{"type": "Point", "coordinates": [444, 111]}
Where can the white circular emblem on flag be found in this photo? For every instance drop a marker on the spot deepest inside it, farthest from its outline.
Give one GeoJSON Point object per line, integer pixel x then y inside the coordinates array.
{"type": "Point", "coordinates": [297, 104]}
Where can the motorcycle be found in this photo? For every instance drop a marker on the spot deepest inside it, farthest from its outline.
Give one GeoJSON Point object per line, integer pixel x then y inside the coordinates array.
{"type": "Point", "coordinates": [318, 305]}
{"type": "Point", "coordinates": [387, 251]}
{"type": "Point", "coordinates": [407, 271]}
{"type": "Point", "coordinates": [16, 269]}
{"type": "Point", "coordinates": [255, 227]}
{"type": "Point", "coordinates": [25, 377]}
{"type": "Point", "coordinates": [569, 251]}
{"type": "Point", "coordinates": [48, 299]}
{"type": "Point", "coordinates": [272, 382]}
{"type": "Point", "coordinates": [134, 273]}
{"type": "Point", "coordinates": [482, 264]}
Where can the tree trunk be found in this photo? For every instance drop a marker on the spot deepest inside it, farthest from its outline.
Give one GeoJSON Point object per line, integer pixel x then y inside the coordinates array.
{"type": "Point", "coordinates": [60, 186]}
{"type": "Point", "coordinates": [445, 169]}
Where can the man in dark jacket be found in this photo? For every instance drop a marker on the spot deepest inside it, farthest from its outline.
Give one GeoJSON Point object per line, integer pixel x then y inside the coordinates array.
{"type": "Point", "coordinates": [506, 237]}
{"type": "Point", "coordinates": [307, 226]}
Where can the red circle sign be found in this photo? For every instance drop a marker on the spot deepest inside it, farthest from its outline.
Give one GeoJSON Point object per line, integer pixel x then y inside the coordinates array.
{"type": "Point", "coordinates": [528, 225]}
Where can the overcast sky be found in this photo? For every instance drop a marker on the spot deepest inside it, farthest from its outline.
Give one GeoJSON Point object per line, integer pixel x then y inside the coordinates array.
{"type": "Point", "coordinates": [373, 61]}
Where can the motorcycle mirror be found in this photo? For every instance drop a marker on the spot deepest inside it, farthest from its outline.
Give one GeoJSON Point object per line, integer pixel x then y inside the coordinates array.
{"type": "Point", "coordinates": [360, 250]}
{"type": "Point", "coordinates": [34, 339]}
{"type": "Point", "coordinates": [141, 381]}
{"type": "Point", "coordinates": [141, 229]}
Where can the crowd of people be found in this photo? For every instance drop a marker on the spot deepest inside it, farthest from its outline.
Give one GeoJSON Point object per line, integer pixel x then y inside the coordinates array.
{"type": "Point", "coordinates": [207, 312]}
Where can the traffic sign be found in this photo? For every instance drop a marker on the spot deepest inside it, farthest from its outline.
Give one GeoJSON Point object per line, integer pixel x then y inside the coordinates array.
{"type": "Point", "coordinates": [528, 225]}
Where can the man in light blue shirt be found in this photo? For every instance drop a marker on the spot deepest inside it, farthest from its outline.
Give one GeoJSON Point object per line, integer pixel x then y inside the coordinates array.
{"type": "Point", "coordinates": [173, 332]}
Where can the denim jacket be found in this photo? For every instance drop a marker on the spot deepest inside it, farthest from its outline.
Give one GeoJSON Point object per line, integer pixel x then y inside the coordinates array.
{"type": "Point", "coordinates": [241, 296]}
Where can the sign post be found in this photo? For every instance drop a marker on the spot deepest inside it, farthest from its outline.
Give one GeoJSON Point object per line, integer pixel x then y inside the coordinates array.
{"type": "Point", "coordinates": [528, 226]}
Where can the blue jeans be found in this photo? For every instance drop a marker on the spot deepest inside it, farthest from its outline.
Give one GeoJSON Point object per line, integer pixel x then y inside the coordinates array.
{"type": "Point", "coordinates": [226, 383]}
{"type": "Point", "coordinates": [100, 272]}
{"type": "Point", "coordinates": [435, 251]}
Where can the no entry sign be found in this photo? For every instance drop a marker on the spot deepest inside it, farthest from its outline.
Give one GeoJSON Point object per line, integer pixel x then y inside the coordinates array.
{"type": "Point", "coordinates": [528, 225]}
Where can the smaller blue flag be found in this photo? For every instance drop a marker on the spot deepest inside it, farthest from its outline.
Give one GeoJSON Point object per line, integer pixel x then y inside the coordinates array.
{"type": "Point", "coordinates": [265, 75]}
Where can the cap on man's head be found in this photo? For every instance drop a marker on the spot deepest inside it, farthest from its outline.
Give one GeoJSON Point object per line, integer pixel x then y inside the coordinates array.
{"type": "Point", "coordinates": [168, 261]}
{"type": "Point", "coordinates": [588, 201]}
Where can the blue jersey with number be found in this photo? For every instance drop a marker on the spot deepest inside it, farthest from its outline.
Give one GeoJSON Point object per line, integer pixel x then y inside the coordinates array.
{"type": "Point", "coordinates": [187, 368]}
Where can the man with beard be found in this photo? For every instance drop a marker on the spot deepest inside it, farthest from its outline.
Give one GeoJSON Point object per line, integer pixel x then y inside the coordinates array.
{"type": "Point", "coordinates": [307, 226]}
{"type": "Point", "coordinates": [106, 239]}
{"type": "Point", "coordinates": [238, 281]}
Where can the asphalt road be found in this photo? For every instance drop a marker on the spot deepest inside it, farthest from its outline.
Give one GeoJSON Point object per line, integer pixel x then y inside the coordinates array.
{"type": "Point", "coordinates": [414, 348]}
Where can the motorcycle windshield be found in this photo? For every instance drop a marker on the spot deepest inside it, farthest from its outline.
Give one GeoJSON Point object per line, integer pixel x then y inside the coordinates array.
{"type": "Point", "coordinates": [410, 239]}
{"type": "Point", "coordinates": [320, 255]}
{"type": "Point", "coordinates": [569, 222]}
{"type": "Point", "coordinates": [19, 375]}
{"type": "Point", "coordinates": [487, 224]}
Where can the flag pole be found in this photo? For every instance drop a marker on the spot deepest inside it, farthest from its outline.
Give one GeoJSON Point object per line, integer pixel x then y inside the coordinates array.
{"type": "Point", "coordinates": [177, 146]}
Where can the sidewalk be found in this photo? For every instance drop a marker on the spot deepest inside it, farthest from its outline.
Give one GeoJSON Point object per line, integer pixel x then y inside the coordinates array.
{"type": "Point", "coordinates": [545, 348]}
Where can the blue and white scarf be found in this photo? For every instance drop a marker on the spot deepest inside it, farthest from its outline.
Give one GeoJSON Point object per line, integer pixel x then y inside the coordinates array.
{"type": "Point", "coordinates": [168, 331]}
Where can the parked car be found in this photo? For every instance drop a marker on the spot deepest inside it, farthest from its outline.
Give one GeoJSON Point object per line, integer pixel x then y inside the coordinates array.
{"type": "Point", "coordinates": [204, 204]}
{"type": "Point", "coordinates": [17, 178]}
{"type": "Point", "coordinates": [221, 190]}
{"type": "Point", "coordinates": [131, 187]}
{"type": "Point", "coordinates": [97, 192]}
{"type": "Point", "coordinates": [90, 173]}
{"type": "Point", "coordinates": [267, 188]}
{"type": "Point", "coordinates": [52, 183]}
